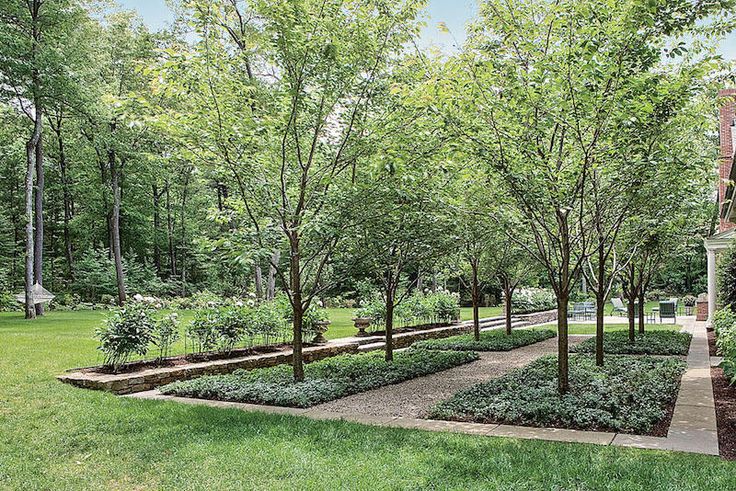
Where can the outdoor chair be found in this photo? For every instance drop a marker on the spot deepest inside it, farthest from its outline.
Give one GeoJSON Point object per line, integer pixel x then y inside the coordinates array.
{"type": "Point", "coordinates": [668, 310]}
{"type": "Point", "coordinates": [618, 307]}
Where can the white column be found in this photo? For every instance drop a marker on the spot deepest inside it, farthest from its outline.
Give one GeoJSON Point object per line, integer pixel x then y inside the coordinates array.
{"type": "Point", "coordinates": [711, 284]}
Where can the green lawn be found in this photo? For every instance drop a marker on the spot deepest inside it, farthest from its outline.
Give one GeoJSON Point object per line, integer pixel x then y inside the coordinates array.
{"type": "Point", "coordinates": [54, 436]}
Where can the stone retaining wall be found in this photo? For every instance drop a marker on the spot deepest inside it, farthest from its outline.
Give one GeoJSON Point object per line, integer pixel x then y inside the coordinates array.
{"type": "Point", "coordinates": [539, 317]}
{"type": "Point", "coordinates": [127, 383]}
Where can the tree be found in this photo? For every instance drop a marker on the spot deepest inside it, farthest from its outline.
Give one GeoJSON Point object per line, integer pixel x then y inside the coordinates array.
{"type": "Point", "coordinates": [33, 34]}
{"type": "Point", "coordinates": [282, 118]}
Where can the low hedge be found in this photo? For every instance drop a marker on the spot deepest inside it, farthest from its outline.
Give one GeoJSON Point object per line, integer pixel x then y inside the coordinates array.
{"type": "Point", "coordinates": [325, 380]}
{"type": "Point", "coordinates": [496, 340]}
{"type": "Point", "coordinates": [629, 394]}
{"type": "Point", "coordinates": [647, 343]}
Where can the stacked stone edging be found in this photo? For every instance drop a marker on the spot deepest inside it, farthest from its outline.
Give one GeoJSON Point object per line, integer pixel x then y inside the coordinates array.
{"type": "Point", "coordinates": [127, 383]}
{"type": "Point", "coordinates": [538, 317]}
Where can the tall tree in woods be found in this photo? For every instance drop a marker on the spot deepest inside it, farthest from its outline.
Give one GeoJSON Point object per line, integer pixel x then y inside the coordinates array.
{"type": "Point", "coordinates": [33, 34]}
{"type": "Point", "coordinates": [115, 119]}
{"type": "Point", "coordinates": [278, 95]}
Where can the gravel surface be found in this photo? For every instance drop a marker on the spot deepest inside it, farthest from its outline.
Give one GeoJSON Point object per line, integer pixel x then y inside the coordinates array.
{"type": "Point", "coordinates": [413, 398]}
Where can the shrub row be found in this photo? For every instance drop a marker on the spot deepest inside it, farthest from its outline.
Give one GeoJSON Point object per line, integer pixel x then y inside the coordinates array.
{"type": "Point", "coordinates": [528, 300]}
{"type": "Point", "coordinates": [495, 340]}
{"type": "Point", "coordinates": [628, 394]}
{"type": "Point", "coordinates": [325, 380]}
{"type": "Point", "coordinates": [131, 330]}
{"type": "Point", "coordinates": [724, 326]}
{"type": "Point", "coordinates": [419, 308]}
{"type": "Point", "coordinates": [647, 343]}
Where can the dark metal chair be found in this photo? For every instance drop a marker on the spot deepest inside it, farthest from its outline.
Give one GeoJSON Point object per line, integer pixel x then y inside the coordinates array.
{"type": "Point", "coordinates": [668, 310]}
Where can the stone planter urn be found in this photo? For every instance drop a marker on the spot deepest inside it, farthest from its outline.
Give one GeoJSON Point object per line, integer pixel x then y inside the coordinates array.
{"type": "Point", "coordinates": [320, 329]}
{"type": "Point", "coordinates": [361, 324]}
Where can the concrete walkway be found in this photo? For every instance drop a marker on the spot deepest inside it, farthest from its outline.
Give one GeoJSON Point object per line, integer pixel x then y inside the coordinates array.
{"type": "Point", "coordinates": [693, 427]}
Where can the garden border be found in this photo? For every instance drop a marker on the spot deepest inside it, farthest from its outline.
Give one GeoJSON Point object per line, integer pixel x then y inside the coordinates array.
{"type": "Point", "coordinates": [692, 429]}
{"type": "Point", "coordinates": [149, 378]}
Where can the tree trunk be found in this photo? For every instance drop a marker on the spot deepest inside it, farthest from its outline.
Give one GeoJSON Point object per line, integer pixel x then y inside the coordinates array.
{"type": "Point", "coordinates": [39, 233]}
{"type": "Point", "coordinates": [641, 310]}
{"type": "Point", "coordinates": [563, 384]}
{"type": "Point", "coordinates": [475, 294]}
{"type": "Point", "coordinates": [631, 315]}
{"type": "Point", "coordinates": [508, 295]}
{"type": "Point", "coordinates": [258, 281]}
{"type": "Point", "coordinates": [390, 323]}
{"type": "Point", "coordinates": [599, 313]}
{"type": "Point", "coordinates": [30, 310]}
{"type": "Point", "coordinates": [275, 257]}
{"type": "Point", "coordinates": [600, 299]}
{"type": "Point", "coordinates": [183, 239]}
{"type": "Point", "coordinates": [66, 196]}
{"type": "Point", "coordinates": [297, 306]}
{"type": "Point", "coordinates": [115, 225]}
{"type": "Point", "coordinates": [156, 226]}
{"type": "Point", "coordinates": [170, 233]}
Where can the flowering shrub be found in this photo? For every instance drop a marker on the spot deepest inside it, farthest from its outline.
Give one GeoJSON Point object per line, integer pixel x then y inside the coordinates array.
{"type": "Point", "coordinates": [127, 331]}
{"type": "Point", "coordinates": [165, 334]}
{"type": "Point", "coordinates": [419, 308]}
{"type": "Point", "coordinates": [247, 324]}
{"type": "Point", "coordinates": [528, 300]}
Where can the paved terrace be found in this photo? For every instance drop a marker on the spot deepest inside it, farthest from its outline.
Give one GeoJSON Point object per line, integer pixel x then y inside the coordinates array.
{"type": "Point", "coordinates": [693, 427]}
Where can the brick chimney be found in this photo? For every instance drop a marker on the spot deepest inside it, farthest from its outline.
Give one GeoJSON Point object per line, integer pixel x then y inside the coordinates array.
{"type": "Point", "coordinates": [727, 132]}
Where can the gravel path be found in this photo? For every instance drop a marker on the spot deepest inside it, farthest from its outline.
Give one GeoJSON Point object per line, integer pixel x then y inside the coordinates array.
{"type": "Point", "coordinates": [413, 398]}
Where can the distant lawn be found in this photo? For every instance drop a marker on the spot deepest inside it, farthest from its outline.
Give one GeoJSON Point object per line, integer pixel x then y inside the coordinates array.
{"type": "Point", "coordinates": [575, 328]}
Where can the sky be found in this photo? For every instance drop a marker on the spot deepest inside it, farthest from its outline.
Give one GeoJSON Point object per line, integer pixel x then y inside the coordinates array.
{"type": "Point", "coordinates": [454, 13]}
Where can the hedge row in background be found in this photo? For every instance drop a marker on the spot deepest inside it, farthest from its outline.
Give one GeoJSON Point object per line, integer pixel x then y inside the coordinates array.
{"type": "Point", "coordinates": [629, 394]}
{"type": "Point", "coordinates": [647, 343]}
{"type": "Point", "coordinates": [495, 340]}
{"type": "Point", "coordinates": [419, 308]}
{"type": "Point", "coordinates": [325, 380]}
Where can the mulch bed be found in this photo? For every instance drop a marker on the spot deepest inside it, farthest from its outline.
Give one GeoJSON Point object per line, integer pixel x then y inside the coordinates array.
{"type": "Point", "coordinates": [725, 396]}
{"type": "Point", "coordinates": [725, 399]}
{"type": "Point", "coordinates": [713, 351]}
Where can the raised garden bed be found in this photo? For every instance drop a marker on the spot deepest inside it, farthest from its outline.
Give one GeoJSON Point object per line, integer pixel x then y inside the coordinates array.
{"type": "Point", "coordinates": [325, 380]}
{"type": "Point", "coordinates": [629, 394]}
{"type": "Point", "coordinates": [185, 359]}
{"type": "Point", "coordinates": [496, 340]}
{"type": "Point", "coordinates": [647, 343]}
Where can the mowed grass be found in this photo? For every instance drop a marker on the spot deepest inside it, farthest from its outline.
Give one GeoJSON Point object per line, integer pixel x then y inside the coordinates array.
{"type": "Point", "coordinates": [54, 436]}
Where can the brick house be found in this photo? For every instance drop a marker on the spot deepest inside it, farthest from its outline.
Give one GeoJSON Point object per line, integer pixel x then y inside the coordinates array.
{"type": "Point", "coordinates": [726, 189]}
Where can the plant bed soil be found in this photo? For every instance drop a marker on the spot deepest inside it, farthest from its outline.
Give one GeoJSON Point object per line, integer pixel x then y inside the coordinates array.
{"type": "Point", "coordinates": [712, 348]}
{"type": "Point", "coordinates": [179, 360]}
{"type": "Point", "coordinates": [725, 399]}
